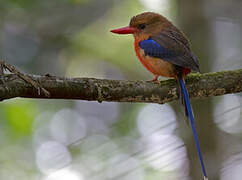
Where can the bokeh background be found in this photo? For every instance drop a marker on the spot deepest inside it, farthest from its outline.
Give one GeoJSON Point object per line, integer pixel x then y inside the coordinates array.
{"type": "Point", "coordinates": [79, 140]}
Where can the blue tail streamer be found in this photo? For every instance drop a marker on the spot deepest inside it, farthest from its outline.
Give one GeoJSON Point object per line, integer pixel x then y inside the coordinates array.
{"type": "Point", "coordinates": [191, 118]}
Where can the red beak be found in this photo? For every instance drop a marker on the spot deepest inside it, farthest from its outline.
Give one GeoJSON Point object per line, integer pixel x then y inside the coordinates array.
{"type": "Point", "coordinates": [125, 30]}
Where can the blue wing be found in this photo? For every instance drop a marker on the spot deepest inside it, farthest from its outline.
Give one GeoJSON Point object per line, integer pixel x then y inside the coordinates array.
{"type": "Point", "coordinates": [171, 46]}
{"type": "Point", "coordinates": [152, 48]}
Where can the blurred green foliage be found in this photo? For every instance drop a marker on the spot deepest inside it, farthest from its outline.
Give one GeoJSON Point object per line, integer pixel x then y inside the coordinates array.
{"type": "Point", "coordinates": [19, 115]}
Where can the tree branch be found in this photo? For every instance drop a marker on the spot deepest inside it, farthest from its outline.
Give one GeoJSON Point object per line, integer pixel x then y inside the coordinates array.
{"type": "Point", "coordinates": [198, 85]}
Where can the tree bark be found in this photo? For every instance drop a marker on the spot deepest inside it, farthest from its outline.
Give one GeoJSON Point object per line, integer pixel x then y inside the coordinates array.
{"type": "Point", "coordinates": [198, 85]}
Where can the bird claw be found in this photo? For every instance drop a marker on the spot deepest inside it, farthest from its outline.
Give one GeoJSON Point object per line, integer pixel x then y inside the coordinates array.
{"type": "Point", "coordinates": [155, 80]}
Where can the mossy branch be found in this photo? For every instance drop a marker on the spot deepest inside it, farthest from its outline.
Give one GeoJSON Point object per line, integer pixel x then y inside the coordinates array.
{"type": "Point", "coordinates": [198, 85]}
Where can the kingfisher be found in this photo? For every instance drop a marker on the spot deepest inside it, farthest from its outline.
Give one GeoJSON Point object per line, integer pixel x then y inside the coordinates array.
{"type": "Point", "coordinates": [165, 51]}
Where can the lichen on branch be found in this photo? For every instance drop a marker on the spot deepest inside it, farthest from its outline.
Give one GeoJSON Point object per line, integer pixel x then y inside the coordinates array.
{"type": "Point", "coordinates": [91, 89]}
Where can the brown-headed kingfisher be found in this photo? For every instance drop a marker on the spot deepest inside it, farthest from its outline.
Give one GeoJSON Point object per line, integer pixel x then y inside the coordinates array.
{"type": "Point", "coordinates": [165, 51]}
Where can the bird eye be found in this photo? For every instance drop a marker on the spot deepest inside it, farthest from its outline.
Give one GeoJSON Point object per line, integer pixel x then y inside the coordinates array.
{"type": "Point", "coordinates": [142, 26]}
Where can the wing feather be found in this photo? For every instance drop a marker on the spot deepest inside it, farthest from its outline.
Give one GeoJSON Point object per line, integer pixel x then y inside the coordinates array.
{"type": "Point", "coordinates": [171, 46]}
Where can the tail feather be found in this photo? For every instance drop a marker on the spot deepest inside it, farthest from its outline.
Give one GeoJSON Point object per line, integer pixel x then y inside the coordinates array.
{"type": "Point", "coordinates": [189, 113]}
{"type": "Point", "coordinates": [183, 100]}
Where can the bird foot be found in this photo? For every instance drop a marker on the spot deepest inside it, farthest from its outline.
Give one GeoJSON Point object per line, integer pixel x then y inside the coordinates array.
{"type": "Point", "coordinates": [155, 80]}
{"type": "Point", "coordinates": [12, 69]}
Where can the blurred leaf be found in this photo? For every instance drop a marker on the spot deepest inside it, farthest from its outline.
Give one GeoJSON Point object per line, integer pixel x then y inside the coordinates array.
{"type": "Point", "coordinates": [20, 115]}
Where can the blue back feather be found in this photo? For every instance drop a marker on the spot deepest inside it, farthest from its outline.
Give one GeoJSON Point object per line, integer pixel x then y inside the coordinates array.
{"type": "Point", "coordinates": [191, 118]}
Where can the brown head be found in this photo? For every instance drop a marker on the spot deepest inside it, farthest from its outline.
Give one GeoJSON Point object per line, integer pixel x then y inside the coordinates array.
{"type": "Point", "coordinates": [144, 24]}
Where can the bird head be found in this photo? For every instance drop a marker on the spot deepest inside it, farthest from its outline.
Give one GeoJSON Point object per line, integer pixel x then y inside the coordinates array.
{"type": "Point", "coordinates": [144, 24]}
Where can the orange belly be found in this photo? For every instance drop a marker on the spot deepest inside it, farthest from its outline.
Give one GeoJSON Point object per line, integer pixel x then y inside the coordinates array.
{"type": "Point", "coordinates": [156, 66]}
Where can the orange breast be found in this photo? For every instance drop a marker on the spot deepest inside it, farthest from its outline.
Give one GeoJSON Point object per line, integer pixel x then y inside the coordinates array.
{"type": "Point", "coordinates": [156, 66]}
{"type": "Point", "coordinates": [142, 60]}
